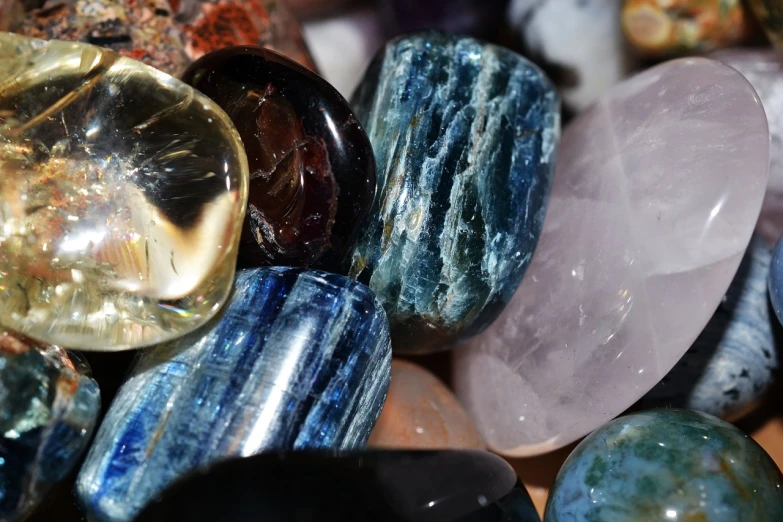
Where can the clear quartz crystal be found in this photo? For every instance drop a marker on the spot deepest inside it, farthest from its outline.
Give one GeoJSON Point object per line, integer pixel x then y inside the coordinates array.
{"type": "Point", "coordinates": [122, 195]}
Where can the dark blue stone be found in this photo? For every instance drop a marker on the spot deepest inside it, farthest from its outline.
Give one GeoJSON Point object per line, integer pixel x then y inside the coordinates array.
{"type": "Point", "coordinates": [47, 414]}
{"type": "Point", "coordinates": [465, 135]}
{"type": "Point", "coordinates": [776, 281]}
{"type": "Point", "coordinates": [667, 465]}
{"type": "Point", "coordinates": [387, 486]}
{"type": "Point", "coordinates": [734, 361]}
{"type": "Point", "coordinates": [297, 360]}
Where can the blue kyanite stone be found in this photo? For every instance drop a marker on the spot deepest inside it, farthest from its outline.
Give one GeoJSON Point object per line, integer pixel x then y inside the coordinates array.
{"type": "Point", "coordinates": [735, 359]}
{"type": "Point", "coordinates": [363, 486]}
{"type": "Point", "coordinates": [667, 465]}
{"type": "Point", "coordinates": [297, 359]}
{"type": "Point", "coordinates": [47, 414]}
{"type": "Point", "coordinates": [775, 281]}
{"type": "Point", "coordinates": [464, 135]}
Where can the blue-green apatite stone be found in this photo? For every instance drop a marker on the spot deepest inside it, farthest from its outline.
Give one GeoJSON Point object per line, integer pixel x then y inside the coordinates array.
{"type": "Point", "coordinates": [296, 360]}
{"type": "Point", "coordinates": [47, 414]}
{"type": "Point", "coordinates": [735, 360]}
{"type": "Point", "coordinates": [665, 466]}
{"type": "Point", "coordinates": [464, 135]}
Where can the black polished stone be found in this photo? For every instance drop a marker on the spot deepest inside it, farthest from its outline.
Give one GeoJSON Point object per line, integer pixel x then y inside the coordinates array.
{"type": "Point", "coordinates": [377, 486]}
{"type": "Point", "coordinates": [312, 170]}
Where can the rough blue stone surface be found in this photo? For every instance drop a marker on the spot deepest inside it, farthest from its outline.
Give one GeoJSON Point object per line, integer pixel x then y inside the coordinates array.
{"type": "Point", "coordinates": [667, 465]}
{"type": "Point", "coordinates": [465, 135]}
{"type": "Point", "coordinates": [47, 414]}
{"type": "Point", "coordinates": [297, 359]}
{"type": "Point", "coordinates": [735, 360]}
{"type": "Point", "coordinates": [776, 281]}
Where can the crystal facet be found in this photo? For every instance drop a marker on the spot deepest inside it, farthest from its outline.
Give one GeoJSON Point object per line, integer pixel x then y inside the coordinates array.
{"type": "Point", "coordinates": [764, 70]}
{"type": "Point", "coordinates": [367, 486]}
{"type": "Point", "coordinates": [734, 361]}
{"type": "Point", "coordinates": [422, 413]}
{"type": "Point", "coordinates": [676, 27]}
{"type": "Point", "coordinates": [122, 197]}
{"type": "Point", "coordinates": [464, 135]}
{"type": "Point", "coordinates": [312, 170]}
{"type": "Point", "coordinates": [47, 414]}
{"type": "Point", "coordinates": [657, 190]}
{"type": "Point", "coordinates": [296, 360]}
{"type": "Point", "coordinates": [167, 34]}
{"type": "Point", "coordinates": [664, 465]}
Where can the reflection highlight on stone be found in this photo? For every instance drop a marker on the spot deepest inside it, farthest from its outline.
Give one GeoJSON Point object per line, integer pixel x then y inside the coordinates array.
{"type": "Point", "coordinates": [121, 198]}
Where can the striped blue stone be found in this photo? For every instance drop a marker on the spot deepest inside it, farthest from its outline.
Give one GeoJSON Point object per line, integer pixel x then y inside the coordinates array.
{"type": "Point", "coordinates": [464, 135]}
{"type": "Point", "coordinates": [734, 361]}
{"type": "Point", "coordinates": [47, 414]}
{"type": "Point", "coordinates": [297, 360]}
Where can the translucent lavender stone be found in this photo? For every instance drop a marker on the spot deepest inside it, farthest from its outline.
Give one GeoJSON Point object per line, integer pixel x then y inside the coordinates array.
{"type": "Point", "coordinates": [735, 359]}
{"type": "Point", "coordinates": [657, 190]}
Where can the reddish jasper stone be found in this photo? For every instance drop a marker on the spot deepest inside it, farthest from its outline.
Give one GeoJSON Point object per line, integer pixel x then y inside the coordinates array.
{"type": "Point", "coordinates": [167, 34]}
{"type": "Point", "coordinates": [312, 172]}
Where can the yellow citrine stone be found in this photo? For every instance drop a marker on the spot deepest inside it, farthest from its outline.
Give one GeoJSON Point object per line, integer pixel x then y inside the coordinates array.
{"type": "Point", "coordinates": [122, 195]}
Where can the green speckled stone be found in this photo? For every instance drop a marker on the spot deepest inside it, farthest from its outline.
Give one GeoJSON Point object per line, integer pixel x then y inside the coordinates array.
{"type": "Point", "coordinates": [666, 466]}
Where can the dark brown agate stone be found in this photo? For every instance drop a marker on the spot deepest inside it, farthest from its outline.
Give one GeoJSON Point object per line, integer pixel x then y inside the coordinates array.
{"type": "Point", "coordinates": [312, 171]}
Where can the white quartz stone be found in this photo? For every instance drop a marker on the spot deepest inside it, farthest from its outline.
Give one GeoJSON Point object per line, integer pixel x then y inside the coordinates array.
{"type": "Point", "coordinates": [343, 44]}
{"type": "Point", "coordinates": [580, 42]}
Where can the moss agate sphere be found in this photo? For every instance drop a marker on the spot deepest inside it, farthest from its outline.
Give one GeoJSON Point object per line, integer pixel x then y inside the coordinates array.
{"type": "Point", "coordinates": [667, 465]}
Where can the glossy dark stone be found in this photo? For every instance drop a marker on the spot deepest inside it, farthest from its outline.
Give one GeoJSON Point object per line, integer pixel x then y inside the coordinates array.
{"type": "Point", "coordinates": [426, 486]}
{"type": "Point", "coordinates": [472, 17]}
{"type": "Point", "coordinates": [312, 172]}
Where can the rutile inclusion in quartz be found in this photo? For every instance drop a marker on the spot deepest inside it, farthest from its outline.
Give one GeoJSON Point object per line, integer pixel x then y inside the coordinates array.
{"type": "Point", "coordinates": [122, 194]}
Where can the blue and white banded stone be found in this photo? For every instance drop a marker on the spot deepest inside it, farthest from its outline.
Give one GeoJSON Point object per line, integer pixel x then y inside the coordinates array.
{"type": "Point", "coordinates": [465, 135]}
{"type": "Point", "coordinates": [297, 360]}
{"type": "Point", "coordinates": [735, 359]}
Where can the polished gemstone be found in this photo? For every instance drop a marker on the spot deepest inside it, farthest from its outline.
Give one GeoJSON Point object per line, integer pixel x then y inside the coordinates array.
{"type": "Point", "coordinates": [579, 44]}
{"type": "Point", "coordinates": [775, 281]}
{"type": "Point", "coordinates": [770, 14]}
{"type": "Point", "coordinates": [479, 18]}
{"type": "Point", "coordinates": [377, 486]}
{"type": "Point", "coordinates": [763, 68]}
{"type": "Point", "coordinates": [664, 465]}
{"type": "Point", "coordinates": [312, 170]}
{"type": "Point", "coordinates": [734, 361]}
{"type": "Point", "coordinates": [122, 197]}
{"type": "Point", "coordinates": [167, 34]}
{"type": "Point", "coordinates": [657, 189]}
{"type": "Point", "coordinates": [676, 27]}
{"type": "Point", "coordinates": [422, 413]}
{"type": "Point", "coordinates": [47, 413]}
{"type": "Point", "coordinates": [464, 135]}
{"type": "Point", "coordinates": [297, 360]}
